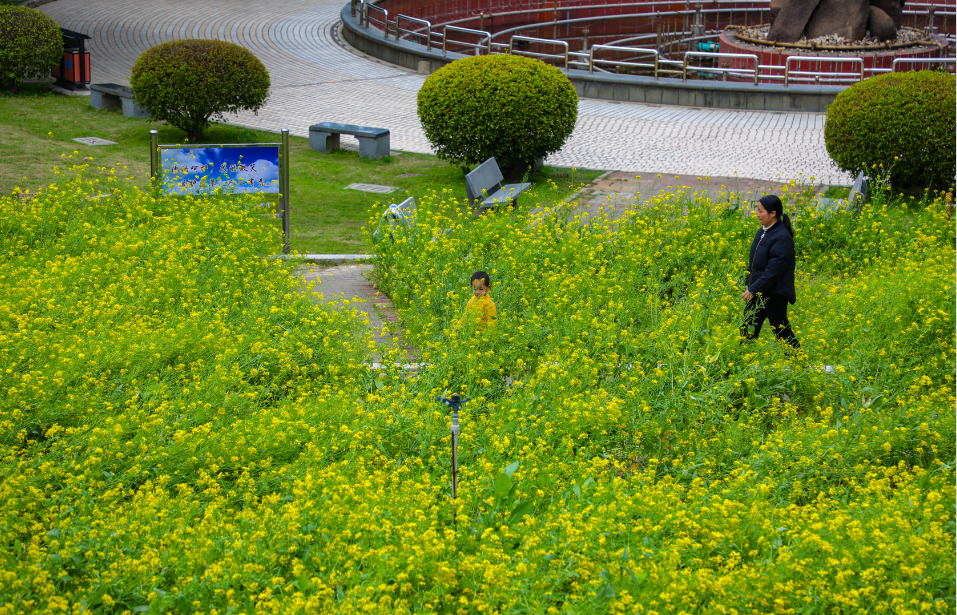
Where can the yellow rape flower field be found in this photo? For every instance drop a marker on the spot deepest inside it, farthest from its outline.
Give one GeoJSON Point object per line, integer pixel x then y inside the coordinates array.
{"type": "Point", "coordinates": [184, 430]}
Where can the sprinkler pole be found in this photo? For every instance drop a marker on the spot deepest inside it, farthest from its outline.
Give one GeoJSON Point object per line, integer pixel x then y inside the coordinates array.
{"type": "Point", "coordinates": [455, 452]}
{"type": "Point", "coordinates": [455, 402]}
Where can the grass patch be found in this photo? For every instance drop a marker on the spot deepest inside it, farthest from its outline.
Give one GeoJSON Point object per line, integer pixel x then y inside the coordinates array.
{"type": "Point", "coordinates": [38, 127]}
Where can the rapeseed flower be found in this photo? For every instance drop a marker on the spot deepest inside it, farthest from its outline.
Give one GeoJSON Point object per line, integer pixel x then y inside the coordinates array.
{"type": "Point", "coordinates": [184, 430]}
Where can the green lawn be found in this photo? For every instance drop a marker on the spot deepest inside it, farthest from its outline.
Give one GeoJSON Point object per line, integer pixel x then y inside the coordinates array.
{"type": "Point", "coordinates": [37, 128]}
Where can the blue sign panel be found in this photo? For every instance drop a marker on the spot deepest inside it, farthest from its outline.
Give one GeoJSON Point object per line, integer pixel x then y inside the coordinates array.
{"type": "Point", "coordinates": [230, 169]}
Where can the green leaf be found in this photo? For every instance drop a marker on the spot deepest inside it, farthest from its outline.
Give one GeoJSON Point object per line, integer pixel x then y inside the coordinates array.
{"type": "Point", "coordinates": [608, 591]}
{"type": "Point", "coordinates": [94, 598]}
{"type": "Point", "coordinates": [502, 485]}
{"type": "Point", "coordinates": [521, 509]}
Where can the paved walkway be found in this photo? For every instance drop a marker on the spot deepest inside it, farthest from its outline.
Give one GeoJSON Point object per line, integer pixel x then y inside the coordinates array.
{"type": "Point", "coordinates": [317, 77]}
{"type": "Point", "coordinates": [621, 190]}
{"type": "Point", "coordinates": [350, 287]}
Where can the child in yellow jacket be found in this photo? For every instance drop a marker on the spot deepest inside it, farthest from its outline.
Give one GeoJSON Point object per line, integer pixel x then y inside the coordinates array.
{"type": "Point", "coordinates": [480, 309]}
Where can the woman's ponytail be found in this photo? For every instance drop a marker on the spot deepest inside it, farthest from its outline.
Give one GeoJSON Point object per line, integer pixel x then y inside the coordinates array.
{"type": "Point", "coordinates": [787, 223]}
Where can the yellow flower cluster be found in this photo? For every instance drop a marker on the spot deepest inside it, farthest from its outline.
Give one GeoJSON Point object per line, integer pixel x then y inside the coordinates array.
{"type": "Point", "coordinates": [744, 478]}
{"type": "Point", "coordinates": [183, 430]}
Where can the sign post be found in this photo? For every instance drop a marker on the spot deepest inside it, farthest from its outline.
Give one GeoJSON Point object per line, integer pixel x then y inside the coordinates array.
{"type": "Point", "coordinates": [284, 188]}
{"type": "Point", "coordinates": [155, 167]}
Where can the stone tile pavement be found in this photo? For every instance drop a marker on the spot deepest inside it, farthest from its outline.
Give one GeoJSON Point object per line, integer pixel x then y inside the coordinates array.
{"type": "Point", "coordinates": [317, 77]}
{"type": "Point", "coordinates": [351, 287]}
{"type": "Point", "coordinates": [620, 189]}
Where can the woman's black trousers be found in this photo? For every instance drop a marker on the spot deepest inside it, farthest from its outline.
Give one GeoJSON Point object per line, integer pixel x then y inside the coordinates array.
{"type": "Point", "coordinates": [774, 308]}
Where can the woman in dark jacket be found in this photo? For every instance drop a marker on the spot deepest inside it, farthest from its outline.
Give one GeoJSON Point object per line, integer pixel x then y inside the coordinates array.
{"type": "Point", "coordinates": [770, 274]}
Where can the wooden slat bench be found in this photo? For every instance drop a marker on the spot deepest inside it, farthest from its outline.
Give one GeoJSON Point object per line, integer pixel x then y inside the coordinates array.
{"type": "Point", "coordinates": [484, 189]}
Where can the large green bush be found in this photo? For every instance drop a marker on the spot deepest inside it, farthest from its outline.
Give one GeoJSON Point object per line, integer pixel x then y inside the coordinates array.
{"type": "Point", "coordinates": [190, 83]}
{"type": "Point", "coordinates": [516, 109]}
{"type": "Point", "coordinates": [902, 122]}
{"type": "Point", "coordinates": [30, 45]}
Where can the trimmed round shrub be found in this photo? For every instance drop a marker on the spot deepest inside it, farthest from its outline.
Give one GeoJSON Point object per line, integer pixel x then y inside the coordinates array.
{"type": "Point", "coordinates": [31, 45]}
{"type": "Point", "coordinates": [513, 108]}
{"type": "Point", "coordinates": [191, 83]}
{"type": "Point", "coordinates": [903, 123]}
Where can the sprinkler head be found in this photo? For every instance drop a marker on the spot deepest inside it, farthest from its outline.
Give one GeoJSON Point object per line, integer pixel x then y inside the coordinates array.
{"type": "Point", "coordinates": [455, 402]}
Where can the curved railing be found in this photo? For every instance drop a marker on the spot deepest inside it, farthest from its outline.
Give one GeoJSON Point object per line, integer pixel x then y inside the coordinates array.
{"type": "Point", "coordinates": [453, 37]}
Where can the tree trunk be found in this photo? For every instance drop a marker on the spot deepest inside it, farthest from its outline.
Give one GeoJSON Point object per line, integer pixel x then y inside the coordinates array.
{"type": "Point", "coordinates": [196, 135]}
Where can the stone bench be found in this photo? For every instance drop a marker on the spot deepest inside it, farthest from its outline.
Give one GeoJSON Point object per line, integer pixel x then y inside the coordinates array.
{"type": "Point", "coordinates": [110, 96]}
{"type": "Point", "coordinates": [484, 189]}
{"type": "Point", "coordinates": [373, 142]}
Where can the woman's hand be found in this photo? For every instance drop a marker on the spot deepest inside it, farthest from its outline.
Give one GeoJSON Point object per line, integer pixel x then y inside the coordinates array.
{"type": "Point", "coordinates": [747, 295]}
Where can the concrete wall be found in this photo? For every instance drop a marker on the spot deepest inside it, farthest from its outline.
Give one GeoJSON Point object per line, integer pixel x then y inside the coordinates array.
{"type": "Point", "coordinates": [712, 94]}
{"type": "Point", "coordinates": [402, 53]}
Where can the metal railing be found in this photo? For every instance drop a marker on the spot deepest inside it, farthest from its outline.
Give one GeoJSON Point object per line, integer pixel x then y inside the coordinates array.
{"type": "Point", "coordinates": [418, 32]}
{"type": "Point", "coordinates": [448, 13]}
{"type": "Point", "coordinates": [767, 75]}
{"type": "Point", "coordinates": [719, 69]}
{"type": "Point", "coordinates": [366, 7]}
{"type": "Point", "coordinates": [807, 76]}
{"type": "Point", "coordinates": [494, 47]}
{"type": "Point", "coordinates": [595, 57]}
{"type": "Point", "coordinates": [458, 12]}
{"type": "Point", "coordinates": [592, 60]}
{"type": "Point", "coordinates": [535, 54]}
{"type": "Point", "coordinates": [579, 59]}
{"type": "Point", "coordinates": [485, 42]}
{"type": "Point", "coordinates": [900, 61]}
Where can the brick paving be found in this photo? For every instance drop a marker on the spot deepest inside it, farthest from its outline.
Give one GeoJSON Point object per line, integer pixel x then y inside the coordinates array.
{"type": "Point", "coordinates": [351, 287]}
{"type": "Point", "coordinates": [316, 77]}
{"type": "Point", "coordinates": [620, 189]}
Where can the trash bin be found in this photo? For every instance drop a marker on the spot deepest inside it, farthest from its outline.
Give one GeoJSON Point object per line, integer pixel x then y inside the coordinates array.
{"type": "Point", "coordinates": [74, 70]}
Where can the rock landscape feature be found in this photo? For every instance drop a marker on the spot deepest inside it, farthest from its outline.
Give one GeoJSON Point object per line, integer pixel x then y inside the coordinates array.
{"type": "Point", "coordinates": [851, 20]}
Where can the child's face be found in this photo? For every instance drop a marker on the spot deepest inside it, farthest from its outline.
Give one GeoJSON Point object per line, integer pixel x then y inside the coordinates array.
{"type": "Point", "coordinates": [479, 289]}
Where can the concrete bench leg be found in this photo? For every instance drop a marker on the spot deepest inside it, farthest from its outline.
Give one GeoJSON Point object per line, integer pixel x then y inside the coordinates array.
{"type": "Point", "coordinates": [107, 102]}
{"type": "Point", "coordinates": [323, 142]}
{"type": "Point", "coordinates": [131, 109]}
{"type": "Point", "coordinates": [374, 148]}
